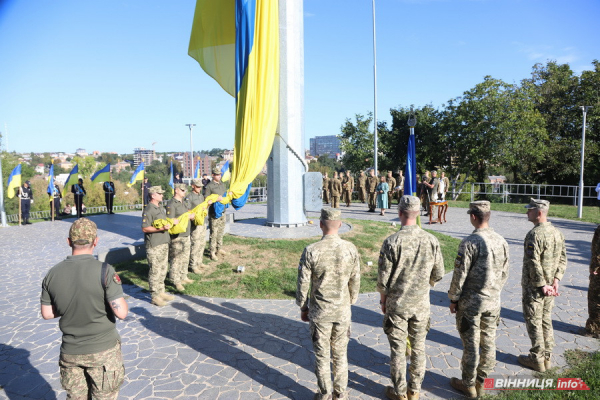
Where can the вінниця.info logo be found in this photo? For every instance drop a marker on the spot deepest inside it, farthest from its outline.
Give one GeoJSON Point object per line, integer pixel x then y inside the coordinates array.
{"type": "Point", "coordinates": [534, 384]}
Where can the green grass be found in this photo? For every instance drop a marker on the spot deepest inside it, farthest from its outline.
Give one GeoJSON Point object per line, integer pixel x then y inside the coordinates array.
{"type": "Point", "coordinates": [271, 265]}
{"type": "Point", "coordinates": [581, 364]}
{"type": "Point", "coordinates": [589, 214]}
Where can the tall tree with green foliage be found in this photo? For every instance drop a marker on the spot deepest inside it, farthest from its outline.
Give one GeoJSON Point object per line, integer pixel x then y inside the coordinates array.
{"type": "Point", "coordinates": [356, 142]}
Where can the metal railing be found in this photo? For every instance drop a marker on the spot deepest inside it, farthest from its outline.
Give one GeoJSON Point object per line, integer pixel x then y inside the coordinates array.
{"type": "Point", "coordinates": [506, 191]}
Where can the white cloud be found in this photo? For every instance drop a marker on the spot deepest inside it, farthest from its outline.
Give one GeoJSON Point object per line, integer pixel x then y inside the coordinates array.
{"type": "Point", "coordinates": [542, 53]}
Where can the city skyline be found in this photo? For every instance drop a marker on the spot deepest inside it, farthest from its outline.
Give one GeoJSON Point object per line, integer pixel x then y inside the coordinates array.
{"type": "Point", "coordinates": [113, 75]}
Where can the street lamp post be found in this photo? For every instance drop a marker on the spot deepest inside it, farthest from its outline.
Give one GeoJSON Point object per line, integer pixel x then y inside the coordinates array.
{"type": "Point", "coordinates": [374, 91]}
{"type": "Point", "coordinates": [191, 126]}
{"type": "Point", "coordinates": [580, 207]}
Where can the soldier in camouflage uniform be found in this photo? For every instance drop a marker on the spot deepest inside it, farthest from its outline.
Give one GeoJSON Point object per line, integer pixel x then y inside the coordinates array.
{"type": "Point", "coordinates": [371, 187]}
{"type": "Point", "coordinates": [480, 272]}
{"type": "Point", "coordinates": [400, 186]}
{"type": "Point", "coordinates": [326, 188]}
{"type": "Point", "coordinates": [347, 188]}
{"type": "Point", "coordinates": [157, 246]}
{"type": "Point", "coordinates": [179, 248]}
{"type": "Point", "coordinates": [410, 262]}
{"type": "Point", "coordinates": [330, 271]}
{"type": "Point", "coordinates": [391, 181]}
{"type": "Point", "coordinates": [198, 233]}
{"type": "Point", "coordinates": [362, 184]}
{"type": "Point", "coordinates": [544, 264]}
{"type": "Point", "coordinates": [216, 225]}
{"type": "Point", "coordinates": [592, 326]}
{"type": "Point", "coordinates": [87, 296]}
{"type": "Point", "coordinates": [335, 190]}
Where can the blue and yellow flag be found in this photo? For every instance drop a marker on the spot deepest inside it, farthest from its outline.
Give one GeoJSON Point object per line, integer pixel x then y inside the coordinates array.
{"type": "Point", "coordinates": [50, 189]}
{"type": "Point", "coordinates": [72, 179]}
{"type": "Point", "coordinates": [102, 175]}
{"type": "Point", "coordinates": [138, 175]}
{"type": "Point", "coordinates": [197, 171]}
{"type": "Point", "coordinates": [171, 180]}
{"type": "Point", "coordinates": [225, 174]}
{"type": "Point", "coordinates": [237, 43]}
{"type": "Point", "coordinates": [410, 174]}
{"type": "Point", "coordinates": [14, 181]}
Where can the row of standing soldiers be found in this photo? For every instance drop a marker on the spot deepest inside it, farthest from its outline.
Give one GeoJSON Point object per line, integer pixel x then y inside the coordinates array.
{"type": "Point", "coordinates": [343, 185]}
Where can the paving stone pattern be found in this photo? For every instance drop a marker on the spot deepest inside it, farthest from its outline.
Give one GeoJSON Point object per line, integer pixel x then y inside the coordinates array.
{"type": "Point", "coordinates": [208, 348]}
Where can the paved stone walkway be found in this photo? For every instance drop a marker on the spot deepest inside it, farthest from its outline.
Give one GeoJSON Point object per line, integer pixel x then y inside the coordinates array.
{"type": "Point", "coordinates": [204, 348]}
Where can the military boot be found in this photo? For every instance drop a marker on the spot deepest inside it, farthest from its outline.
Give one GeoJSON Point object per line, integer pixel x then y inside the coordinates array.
{"type": "Point", "coordinates": [158, 301]}
{"type": "Point", "coordinates": [390, 393]}
{"type": "Point", "coordinates": [469, 391]}
{"type": "Point", "coordinates": [187, 281]}
{"type": "Point", "coordinates": [179, 287]}
{"type": "Point", "coordinates": [221, 252]}
{"type": "Point", "coordinates": [479, 389]}
{"type": "Point", "coordinates": [341, 396]}
{"type": "Point", "coordinates": [529, 362]}
{"type": "Point", "coordinates": [213, 256]}
{"type": "Point", "coordinates": [319, 396]}
{"type": "Point", "coordinates": [547, 362]}
{"type": "Point", "coordinates": [412, 395]}
{"type": "Point", "coordinates": [166, 296]}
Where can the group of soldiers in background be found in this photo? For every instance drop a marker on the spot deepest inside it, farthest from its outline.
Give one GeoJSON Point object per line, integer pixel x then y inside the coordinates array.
{"type": "Point", "coordinates": [329, 281]}
{"type": "Point", "coordinates": [183, 251]}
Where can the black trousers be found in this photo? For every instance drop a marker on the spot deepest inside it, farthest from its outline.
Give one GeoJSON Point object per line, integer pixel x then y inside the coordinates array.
{"type": "Point", "coordinates": [25, 207]}
{"type": "Point", "coordinates": [109, 198]}
{"type": "Point", "coordinates": [78, 203]}
{"type": "Point", "coordinates": [55, 204]}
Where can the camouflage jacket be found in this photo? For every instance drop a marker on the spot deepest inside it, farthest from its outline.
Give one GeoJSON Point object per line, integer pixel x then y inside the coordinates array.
{"type": "Point", "coordinates": [595, 260]}
{"type": "Point", "coordinates": [409, 262]}
{"type": "Point", "coordinates": [545, 256]}
{"type": "Point", "coordinates": [335, 187]}
{"type": "Point", "coordinates": [480, 271]}
{"type": "Point", "coordinates": [330, 269]}
{"type": "Point", "coordinates": [372, 183]}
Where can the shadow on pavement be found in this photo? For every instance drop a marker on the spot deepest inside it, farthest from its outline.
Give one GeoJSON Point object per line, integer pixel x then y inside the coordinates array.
{"type": "Point", "coordinates": [23, 380]}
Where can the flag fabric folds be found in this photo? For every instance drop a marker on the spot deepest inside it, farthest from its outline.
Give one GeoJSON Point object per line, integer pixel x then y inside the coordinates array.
{"type": "Point", "coordinates": [171, 181]}
{"type": "Point", "coordinates": [237, 43]}
{"type": "Point", "coordinates": [72, 179]}
{"type": "Point", "coordinates": [410, 174]}
{"type": "Point", "coordinates": [197, 171]}
{"type": "Point", "coordinates": [14, 181]}
{"type": "Point", "coordinates": [225, 174]}
{"type": "Point", "coordinates": [102, 175]}
{"type": "Point", "coordinates": [138, 175]}
{"type": "Point", "coordinates": [50, 189]}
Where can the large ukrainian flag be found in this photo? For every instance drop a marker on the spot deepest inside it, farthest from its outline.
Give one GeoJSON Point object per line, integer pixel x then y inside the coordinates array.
{"type": "Point", "coordinates": [237, 43]}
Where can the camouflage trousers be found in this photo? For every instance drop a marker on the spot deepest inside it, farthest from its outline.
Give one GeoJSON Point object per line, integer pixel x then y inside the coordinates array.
{"type": "Point", "coordinates": [478, 333]}
{"type": "Point", "coordinates": [372, 200]}
{"type": "Point", "coordinates": [537, 311]}
{"type": "Point", "coordinates": [158, 261]}
{"type": "Point", "coordinates": [398, 328]}
{"type": "Point", "coordinates": [592, 324]}
{"type": "Point", "coordinates": [331, 337]}
{"type": "Point", "coordinates": [326, 196]}
{"type": "Point", "coordinates": [217, 230]}
{"type": "Point", "coordinates": [362, 194]}
{"type": "Point", "coordinates": [347, 196]}
{"type": "Point", "coordinates": [335, 201]}
{"type": "Point", "coordinates": [198, 243]}
{"type": "Point", "coordinates": [179, 256]}
{"type": "Point", "coordinates": [92, 376]}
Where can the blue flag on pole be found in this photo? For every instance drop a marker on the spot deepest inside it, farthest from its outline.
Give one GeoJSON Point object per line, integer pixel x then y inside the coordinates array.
{"type": "Point", "coordinates": [171, 181]}
{"type": "Point", "coordinates": [197, 172]}
{"type": "Point", "coordinates": [72, 179]}
{"type": "Point", "coordinates": [138, 175]}
{"type": "Point", "coordinates": [410, 175]}
{"type": "Point", "coordinates": [50, 189]}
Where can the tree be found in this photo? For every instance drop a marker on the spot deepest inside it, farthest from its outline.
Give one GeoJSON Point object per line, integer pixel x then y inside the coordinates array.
{"type": "Point", "coordinates": [589, 94]}
{"type": "Point", "coordinates": [87, 165]}
{"type": "Point", "coordinates": [357, 143]}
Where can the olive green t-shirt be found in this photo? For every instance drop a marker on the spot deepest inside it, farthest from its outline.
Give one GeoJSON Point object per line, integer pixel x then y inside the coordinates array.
{"type": "Point", "coordinates": [151, 213]}
{"type": "Point", "coordinates": [174, 209]}
{"type": "Point", "coordinates": [74, 288]}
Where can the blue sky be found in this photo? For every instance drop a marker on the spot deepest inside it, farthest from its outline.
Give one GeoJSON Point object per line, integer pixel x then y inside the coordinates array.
{"type": "Point", "coordinates": [111, 75]}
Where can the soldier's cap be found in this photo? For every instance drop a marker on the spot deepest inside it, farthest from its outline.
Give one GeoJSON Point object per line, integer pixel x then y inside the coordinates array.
{"type": "Point", "coordinates": [181, 186]}
{"type": "Point", "coordinates": [330, 214]}
{"type": "Point", "coordinates": [197, 182]}
{"type": "Point", "coordinates": [539, 204]}
{"type": "Point", "coordinates": [409, 203]}
{"type": "Point", "coordinates": [480, 205]}
{"type": "Point", "coordinates": [155, 189]}
{"type": "Point", "coordinates": [216, 171]}
{"type": "Point", "coordinates": [27, 182]}
{"type": "Point", "coordinates": [83, 231]}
